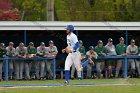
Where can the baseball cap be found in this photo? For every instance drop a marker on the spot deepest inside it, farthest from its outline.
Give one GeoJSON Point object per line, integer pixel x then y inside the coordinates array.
{"type": "Point", "coordinates": [80, 41]}
{"type": "Point", "coordinates": [91, 48]}
{"type": "Point", "coordinates": [42, 43]}
{"type": "Point", "coordinates": [11, 43]}
{"type": "Point", "coordinates": [132, 41]}
{"type": "Point", "coordinates": [51, 42]}
{"type": "Point", "coordinates": [121, 38]}
{"type": "Point", "coordinates": [2, 45]}
{"type": "Point", "coordinates": [110, 40]}
{"type": "Point", "coordinates": [100, 42]}
{"type": "Point", "coordinates": [21, 44]}
{"type": "Point", "coordinates": [70, 27]}
{"type": "Point", "coordinates": [31, 43]}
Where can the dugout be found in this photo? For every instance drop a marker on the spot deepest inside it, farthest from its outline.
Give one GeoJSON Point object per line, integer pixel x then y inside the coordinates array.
{"type": "Point", "coordinates": [89, 32]}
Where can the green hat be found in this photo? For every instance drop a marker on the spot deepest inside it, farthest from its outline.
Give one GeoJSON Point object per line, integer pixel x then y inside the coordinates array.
{"type": "Point", "coordinates": [31, 43]}
{"type": "Point", "coordinates": [121, 38]}
{"type": "Point", "coordinates": [91, 48]}
{"type": "Point", "coordinates": [2, 45]}
{"type": "Point", "coordinates": [100, 42]}
{"type": "Point", "coordinates": [80, 41]}
{"type": "Point", "coordinates": [42, 43]}
{"type": "Point", "coordinates": [110, 40]}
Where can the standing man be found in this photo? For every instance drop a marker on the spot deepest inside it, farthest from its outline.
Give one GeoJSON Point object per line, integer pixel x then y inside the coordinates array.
{"type": "Point", "coordinates": [121, 50]}
{"type": "Point", "coordinates": [82, 51]}
{"type": "Point", "coordinates": [11, 53]}
{"type": "Point", "coordinates": [74, 55]}
{"type": "Point", "coordinates": [132, 49]}
{"type": "Point", "coordinates": [52, 51]}
{"type": "Point", "coordinates": [31, 52]}
{"type": "Point", "coordinates": [40, 64]}
{"type": "Point", "coordinates": [2, 55]}
{"type": "Point", "coordinates": [112, 52]}
{"type": "Point", "coordinates": [91, 54]}
{"type": "Point", "coordinates": [101, 51]}
{"type": "Point", "coordinates": [21, 52]}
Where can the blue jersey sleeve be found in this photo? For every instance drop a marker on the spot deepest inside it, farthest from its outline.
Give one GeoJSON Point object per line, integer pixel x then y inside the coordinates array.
{"type": "Point", "coordinates": [77, 45]}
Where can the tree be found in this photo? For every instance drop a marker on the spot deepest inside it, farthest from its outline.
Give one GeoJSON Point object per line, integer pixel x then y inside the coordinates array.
{"type": "Point", "coordinates": [7, 12]}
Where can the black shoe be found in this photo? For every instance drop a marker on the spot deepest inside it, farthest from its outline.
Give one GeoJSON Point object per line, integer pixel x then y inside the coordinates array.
{"type": "Point", "coordinates": [72, 78]}
{"type": "Point", "coordinates": [79, 78]}
{"type": "Point", "coordinates": [66, 83]}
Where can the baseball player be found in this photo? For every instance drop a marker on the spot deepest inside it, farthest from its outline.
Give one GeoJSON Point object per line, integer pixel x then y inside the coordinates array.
{"type": "Point", "coordinates": [101, 51]}
{"type": "Point", "coordinates": [112, 52]}
{"type": "Point", "coordinates": [2, 55]}
{"type": "Point", "coordinates": [31, 52]}
{"type": "Point", "coordinates": [132, 49]}
{"type": "Point", "coordinates": [21, 52]}
{"type": "Point", "coordinates": [93, 56]}
{"type": "Point", "coordinates": [40, 65]}
{"type": "Point", "coordinates": [121, 50]}
{"type": "Point", "coordinates": [11, 53]}
{"type": "Point", "coordinates": [52, 51]}
{"type": "Point", "coordinates": [74, 55]}
{"type": "Point", "coordinates": [82, 51]}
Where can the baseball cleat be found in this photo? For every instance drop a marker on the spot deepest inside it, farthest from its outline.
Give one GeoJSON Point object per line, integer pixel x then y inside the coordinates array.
{"type": "Point", "coordinates": [66, 83]}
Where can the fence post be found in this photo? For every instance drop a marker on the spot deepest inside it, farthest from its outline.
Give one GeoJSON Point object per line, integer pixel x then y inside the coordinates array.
{"type": "Point", "coordinates": [6, 68]}
{"type": "Point", "coordinates": [125, 67]}
{"type": "Point", "coordinates": [54, 68]}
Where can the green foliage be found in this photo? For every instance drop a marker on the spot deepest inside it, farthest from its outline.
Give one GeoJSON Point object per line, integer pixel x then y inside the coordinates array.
{"type": "Point", "coordinates": [81, 10]}
{"type": "Point", "coordinates": [33, 9]}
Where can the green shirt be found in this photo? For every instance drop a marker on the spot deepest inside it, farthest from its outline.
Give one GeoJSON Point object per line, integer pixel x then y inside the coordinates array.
{"type": "Point", "coordinates": [2, 52]}
{"type": "Point", "coordinates": [82, 50]}
{"type": "Point", "coordinates": [99, 51]}
{"type": "Point", "coordinates": [120, 49]}
{"type": "Point", "coordinates": [31, 51]}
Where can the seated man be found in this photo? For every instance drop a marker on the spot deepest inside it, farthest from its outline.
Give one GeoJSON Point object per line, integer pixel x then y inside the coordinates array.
{"type": "Point", "coordinates": [92, 55]}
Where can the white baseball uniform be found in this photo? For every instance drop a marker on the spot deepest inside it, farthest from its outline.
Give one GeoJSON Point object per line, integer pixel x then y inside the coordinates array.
{"type": "Point", "coordinates": [75, 56]}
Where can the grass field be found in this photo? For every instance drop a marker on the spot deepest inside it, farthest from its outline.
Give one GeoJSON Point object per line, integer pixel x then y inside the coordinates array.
{"type": "Point", "coordinates": [96, 86]}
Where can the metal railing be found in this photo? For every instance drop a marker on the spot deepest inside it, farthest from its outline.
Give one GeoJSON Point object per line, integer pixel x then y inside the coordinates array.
{"type": "Point", "coordinates": [125, 65]}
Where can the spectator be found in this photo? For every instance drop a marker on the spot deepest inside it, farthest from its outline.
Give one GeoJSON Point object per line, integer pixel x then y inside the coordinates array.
{"type": "Point", "coordinates": [111, 52]}
{"type": "Point", "coordinates": [52, 51]}
{"type": "Point", "coordinates": [40, 65]}
{"type": "Point", "coordinates": [21, 52]}
{"type": "Point", "coordinates": [31, 52]}
{"type": "Point", "coordinates": [101, 51]}
{"type": "Point", "coordinates": [2, 55]}
{"type": "Point", "coordinates": [93, 56]}
{"type": "Point", "coordinates": [132, 49]}
{"type": "Point", "coordinates": [121, 50]}
{"type": "Point", "coordinates": [11, 53]}
{"type": "Point", "coordinates": [82, 51]}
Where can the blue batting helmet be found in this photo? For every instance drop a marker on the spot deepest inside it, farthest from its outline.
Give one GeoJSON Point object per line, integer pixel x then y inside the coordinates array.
{"type": "Point", "coordinates": [70, 27]}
